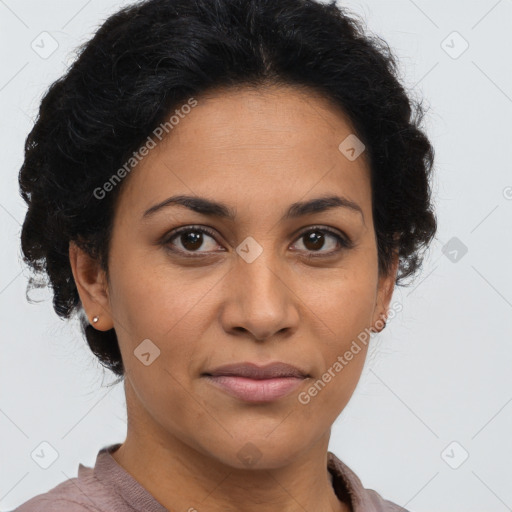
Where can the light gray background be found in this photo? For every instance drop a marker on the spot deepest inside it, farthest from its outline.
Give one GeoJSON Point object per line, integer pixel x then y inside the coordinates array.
{"type": "Point", "coordinates": [439, 373]}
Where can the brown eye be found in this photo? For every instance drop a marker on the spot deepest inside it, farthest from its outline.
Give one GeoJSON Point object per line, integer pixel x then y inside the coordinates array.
{"type": "Point", "coordinates": [190, 239]}
{"type": "Point", "coordinates": [316, 239]}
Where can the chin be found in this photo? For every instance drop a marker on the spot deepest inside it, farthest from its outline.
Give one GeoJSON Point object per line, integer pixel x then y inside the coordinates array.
{"type": "Point", "coordinates": [258, 451]}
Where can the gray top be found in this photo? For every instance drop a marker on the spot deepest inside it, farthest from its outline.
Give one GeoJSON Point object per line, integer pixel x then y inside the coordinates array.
{"type": "Point", "coordinates": [108, 487]}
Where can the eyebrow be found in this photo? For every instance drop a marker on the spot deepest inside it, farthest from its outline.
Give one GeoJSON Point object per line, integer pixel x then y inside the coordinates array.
{"type": "Point", "coordinates": [216, 209]}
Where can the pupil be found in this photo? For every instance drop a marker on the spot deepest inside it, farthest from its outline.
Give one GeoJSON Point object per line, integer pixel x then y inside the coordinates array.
{"type": "Point", "coordinates": [316, 239]}
{"type": "Point", "coordinates": [193, 239]}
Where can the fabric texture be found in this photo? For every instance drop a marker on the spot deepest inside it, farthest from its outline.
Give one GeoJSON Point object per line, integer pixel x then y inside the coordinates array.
{"type": "Point", "coordinates": [108, 487]}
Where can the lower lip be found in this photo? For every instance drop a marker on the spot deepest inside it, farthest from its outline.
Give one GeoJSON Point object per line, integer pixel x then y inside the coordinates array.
{"type": "Point", "coordinates": [252, 390]}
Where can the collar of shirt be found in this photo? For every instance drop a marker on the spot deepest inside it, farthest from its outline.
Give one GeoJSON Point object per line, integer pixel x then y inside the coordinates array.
{"type": "Point", "coordinates": [345, 482]}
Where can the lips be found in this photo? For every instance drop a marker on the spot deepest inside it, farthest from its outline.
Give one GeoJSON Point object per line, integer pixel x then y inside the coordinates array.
{"type": "Point", "coordinates": [253, 371]}
{"type": "Point", "coordinates": [257, 384]}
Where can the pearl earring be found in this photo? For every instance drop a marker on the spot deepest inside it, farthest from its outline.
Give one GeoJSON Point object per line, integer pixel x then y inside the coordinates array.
{"type": "Point", "coordinates": [95, 319]}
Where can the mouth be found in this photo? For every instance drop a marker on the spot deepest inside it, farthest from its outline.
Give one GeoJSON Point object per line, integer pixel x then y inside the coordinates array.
{"type": "Point", "coordinates": [253, 383]}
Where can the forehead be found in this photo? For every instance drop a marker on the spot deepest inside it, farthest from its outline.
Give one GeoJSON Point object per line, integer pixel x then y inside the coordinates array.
{"type": "Point", "coordinates": [254, 143]}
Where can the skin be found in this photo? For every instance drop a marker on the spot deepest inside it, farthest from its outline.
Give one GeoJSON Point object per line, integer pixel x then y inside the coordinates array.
{"type": "Point", "coordinates": [258, 151]}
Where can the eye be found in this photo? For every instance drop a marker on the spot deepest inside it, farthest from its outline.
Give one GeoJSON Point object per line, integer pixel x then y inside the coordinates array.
{"type": "Point", "coordinates": [317, 238]}
{"type": "Point", "coordinates": [191, 238]}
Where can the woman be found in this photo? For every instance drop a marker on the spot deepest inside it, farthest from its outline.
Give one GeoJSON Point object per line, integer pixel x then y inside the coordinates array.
{"type": "Point", "coordinates": [227, 192]}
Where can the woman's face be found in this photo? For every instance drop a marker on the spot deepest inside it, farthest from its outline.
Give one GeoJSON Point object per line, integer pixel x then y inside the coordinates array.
{"type": "Point", "coordinates": [268, 285]}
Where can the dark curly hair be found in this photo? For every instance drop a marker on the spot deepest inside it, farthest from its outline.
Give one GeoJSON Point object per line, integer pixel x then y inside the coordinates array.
{"type": "Point", "coordinates": [149, 58]}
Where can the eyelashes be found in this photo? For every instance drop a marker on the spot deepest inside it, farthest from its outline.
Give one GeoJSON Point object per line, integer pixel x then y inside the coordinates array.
{"type": "Point", "coordinates": [342, 242]}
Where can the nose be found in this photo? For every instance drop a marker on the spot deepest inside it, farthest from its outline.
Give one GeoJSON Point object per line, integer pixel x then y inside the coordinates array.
{"type": "Point", "coordinates": [259, 302]}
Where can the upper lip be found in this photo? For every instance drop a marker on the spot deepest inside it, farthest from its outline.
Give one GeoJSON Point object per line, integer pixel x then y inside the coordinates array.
{"type": "Point", "coordinates": [254, 371]}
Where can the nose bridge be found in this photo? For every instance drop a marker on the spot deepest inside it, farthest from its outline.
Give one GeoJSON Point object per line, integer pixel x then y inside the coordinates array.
{"type": "Point", "coordinates": [258, 276]}
{"type": "Point", "coordinates": [260, 273]}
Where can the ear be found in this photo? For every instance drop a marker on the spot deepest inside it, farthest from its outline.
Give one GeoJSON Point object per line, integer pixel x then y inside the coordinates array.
{"type": "Point", "coordinates": [385, 288]}
{"type": "Point", "coordinates": [91, 283]}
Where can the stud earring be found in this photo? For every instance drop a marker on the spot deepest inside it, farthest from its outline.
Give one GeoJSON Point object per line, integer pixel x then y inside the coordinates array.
{"type": "Point", "coordinates": [95, 319]}
{"type": "Point", "coordinates": [383, 320]}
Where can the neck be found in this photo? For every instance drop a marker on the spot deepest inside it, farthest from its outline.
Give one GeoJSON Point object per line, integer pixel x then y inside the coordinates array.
{"type": "Point", "coordinates": [183, 477]}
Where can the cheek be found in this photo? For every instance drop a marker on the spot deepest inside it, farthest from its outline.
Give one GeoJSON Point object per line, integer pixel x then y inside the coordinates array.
{"type": "Point", "coordinates": [343, 299]}
{"type": "Point", "coordinates": [342, 315]}
{"type": "Point", "coordinates": [162, 308]}
{"type": "Point", "coordinates": [170, 307]}
{"type": "Point", "coordinates": [154, 298]}
{"type": "Point", "coordinates": [325, 398]}
{"type": "Point", "coordinates": [341, 307]}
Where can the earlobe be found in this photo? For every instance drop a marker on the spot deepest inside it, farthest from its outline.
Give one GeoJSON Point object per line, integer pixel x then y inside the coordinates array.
{"type": "Point", "coordinates": [91, 283]}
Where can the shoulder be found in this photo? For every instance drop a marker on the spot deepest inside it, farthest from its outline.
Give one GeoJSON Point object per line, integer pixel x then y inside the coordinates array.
{"type": "Point", "coordinates": [48, 503]}
{"type": "Point", "coordinates": [382, 505]}
{"type": "Point", "coordinates": [76, 494]}
{"type": "Point", "coordinates": [345, 482]}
